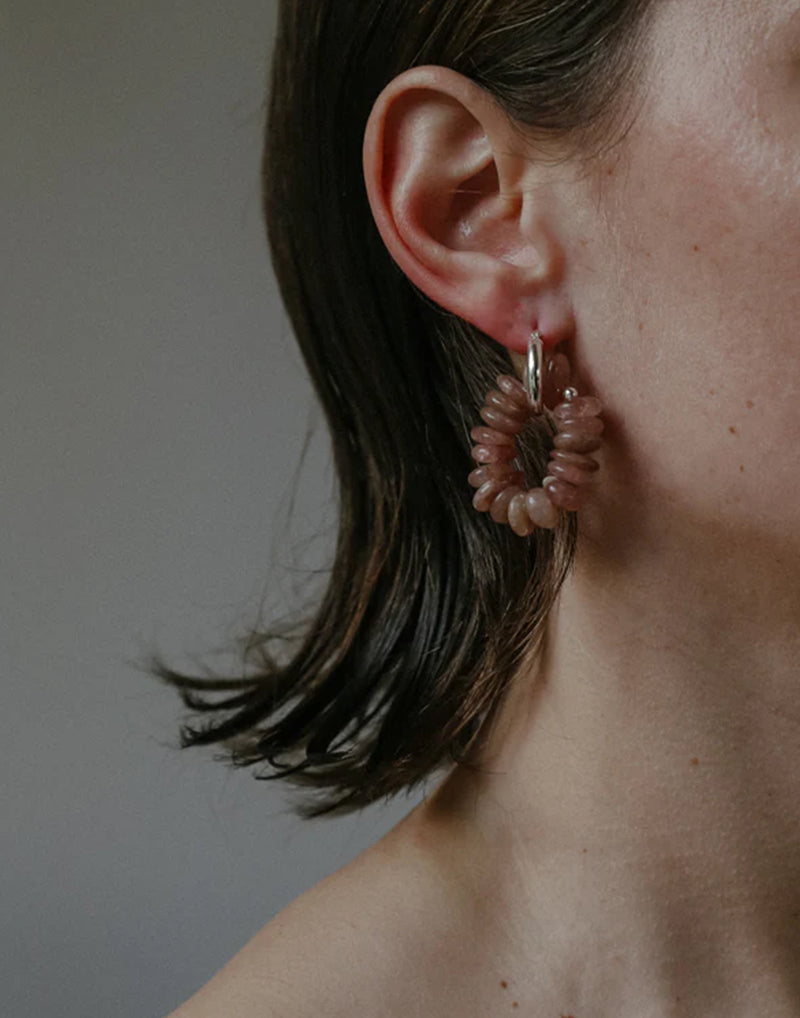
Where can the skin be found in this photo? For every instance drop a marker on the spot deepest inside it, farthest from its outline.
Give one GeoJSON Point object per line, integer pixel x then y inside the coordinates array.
{"type": "Point", "coordinates": [632, 844]}
{"type": "Point", "coordinates": [630, 847]}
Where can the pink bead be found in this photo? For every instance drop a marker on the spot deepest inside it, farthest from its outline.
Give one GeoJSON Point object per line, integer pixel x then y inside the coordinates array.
{"type": "Point", "coordinates": [568, 472]}
{"type": "Point", "coordinates": [488, 436]}
{"type": "Point", "coordinates": [496, 472]}
{"type": "Point", "coordinates": [506, 405]}
{"type": "Point", "coordinates": [499, 507]}
{"type": "Point", "coordinates": [520, 521]}
{"type": "Point", "coordinates": [587, 425]}
{"type": "Point", "coordinates": [501, 422]}
{"type": "Point", "coordinates": [579, 439]}
{"type": "Point", "coordinates": [493, 453]}
{"type": "Point", "coordinates": [487, 493]}
{"type": "Point", "coordinates": [540, 509]}
{"type": "Point", "coordinates": [556, 378]}
{"type": "Point", "coordinates": [578, 408]}
{"type": "Point", "coordinates": [567, 496]}
{"type": "Point", "coordinates": [514, 389]}
{"type": "Point", "coordinates": [575, 459]}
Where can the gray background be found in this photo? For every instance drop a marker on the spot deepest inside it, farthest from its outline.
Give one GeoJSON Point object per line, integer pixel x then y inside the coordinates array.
{"type": "Point", "coordinates": [153, 412]}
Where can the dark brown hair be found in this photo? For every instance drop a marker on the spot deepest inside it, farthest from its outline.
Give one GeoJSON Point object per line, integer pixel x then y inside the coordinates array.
{"type": "Point", "coordinates": [430, 606]}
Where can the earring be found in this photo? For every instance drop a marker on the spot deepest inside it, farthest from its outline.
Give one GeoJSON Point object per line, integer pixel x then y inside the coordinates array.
{"type": "Point", "coordinates": [499, 478]}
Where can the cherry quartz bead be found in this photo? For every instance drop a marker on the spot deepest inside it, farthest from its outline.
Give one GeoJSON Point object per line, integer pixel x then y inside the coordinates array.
{"type": "Point", "coordinates": [567, 472]}
{"type": "Point", "coordinates": [493, 453]}
{"type": "Point", "coordinates": [540, 509]}
{"type": "Point", "coordinates": [588, 425]}
{"type": "Point", "coordinates": [575, 459]}
{"type": "Point", "coordinates": [578, 408]}
{"type": "Point", "coordinates": [496, 472]}
{"type": "Point", "coordinates": [518, 517]}
{"type": "Point", "coordinates": [514, 389]}
{"type": "Point", "coordinates": [488, 436]}
{"type": "Point", "coordinates": [486, 494]}
{"type": "Point", "coordinates": [579, 439]}
{"type": "Point", "coordinates": [501, 422]}
{"type": "Point", "coordinates": [565, 495]}
{"type": "Point", "coordinates": [497, 400]}
{"type": "Point", "coordinates": [571, 467]}
{"type": "Point", "coordinates": [499, 507]}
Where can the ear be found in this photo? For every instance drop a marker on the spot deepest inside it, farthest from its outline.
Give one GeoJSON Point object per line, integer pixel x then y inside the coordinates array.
{"type": "Point", "coordinates": [470, 222]}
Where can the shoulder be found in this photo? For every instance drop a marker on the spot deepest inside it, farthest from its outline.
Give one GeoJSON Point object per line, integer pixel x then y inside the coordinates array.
{"type": "Point", "coordinates": [363, 941]}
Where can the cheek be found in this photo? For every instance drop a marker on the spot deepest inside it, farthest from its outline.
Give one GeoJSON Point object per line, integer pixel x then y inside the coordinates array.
{"type": "Point", "coordinates": [691, 326]}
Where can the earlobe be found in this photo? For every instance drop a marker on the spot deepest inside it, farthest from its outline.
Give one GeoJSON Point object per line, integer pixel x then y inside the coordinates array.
{"type": "Point", "coordinates": [451, 200]}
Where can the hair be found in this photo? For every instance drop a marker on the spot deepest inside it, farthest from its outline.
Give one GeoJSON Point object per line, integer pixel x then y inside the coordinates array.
{"type": "Point", "coordinates": [430, 606]}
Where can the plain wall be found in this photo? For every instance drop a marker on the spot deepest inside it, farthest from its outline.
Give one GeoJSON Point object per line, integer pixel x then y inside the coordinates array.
{"type": "Point", "coordinates": [154, 409]}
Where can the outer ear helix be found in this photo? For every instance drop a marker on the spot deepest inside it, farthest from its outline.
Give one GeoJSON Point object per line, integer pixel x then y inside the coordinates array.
{"type": "Point", "coordinates": [500, 483]}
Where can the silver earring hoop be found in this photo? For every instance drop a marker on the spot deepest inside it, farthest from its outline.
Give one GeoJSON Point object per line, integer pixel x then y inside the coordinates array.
{"type": "Point", "coordinates": [535, 372]}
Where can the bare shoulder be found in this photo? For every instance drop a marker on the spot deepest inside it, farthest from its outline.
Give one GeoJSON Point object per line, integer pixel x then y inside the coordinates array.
{"type": "Point", "coordinates": [366, 940]}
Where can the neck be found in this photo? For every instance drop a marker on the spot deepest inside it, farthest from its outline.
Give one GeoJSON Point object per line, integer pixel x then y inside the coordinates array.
{"type": "Point", "coordinates": [636, 815]}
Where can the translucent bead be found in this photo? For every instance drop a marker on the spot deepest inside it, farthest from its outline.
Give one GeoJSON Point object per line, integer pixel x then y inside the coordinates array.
{"type": "Point", "coordinates": [565, 495]}
{"type": "Point", "coordinates": [496, 472]}
{"type": "Point", "coordinates": [488, 436]}
{"type": "Point", "coordinates": [578, 408]}
{"type": "Point", "coordinates": [506, 405]}
{"type": "Point", "coordinates": [493, 453]}
{"type": "Point", "coordinates": [518, 518]}
{"type": "Point", "coordinates": [568, 472]}
{"type": "Point", "coordinates": [499, 507]}
{"type": "Point", "coordinates": [576, 459]}
{"type": "Point", "coordinates": [540, 509]}
{"type": "Point", "coordinates": [501, 422]}
{"type": "Point", "coordinates": [487, 493]}
{"type": "Point", "coordinates": [514, 389]}
{"type": "Point", "coordinates": [579, 439]}
{"type": "Point", "coordinates": [588, 425]}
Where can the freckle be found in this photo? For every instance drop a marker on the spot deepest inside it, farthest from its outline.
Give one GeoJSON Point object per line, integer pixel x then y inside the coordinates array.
{"type": "Point", "coordinates": [732, 430]}
{"type": "Point", "coordinates": [749, 404]}
{"type": "Point", "coordinates": [694, 761]}
{"type": "Point", "coordinates": [641, 326]}
{"type": "Point", "coordinates": [610, 171]}
{"type": "Point", "coordinates": [586, 849]}
{"type": "Point", "coordinates": [696, 248]}
{"type": "Point", "coordinates": [515, 1004]}
{"type": "Point", "coordinates": [503, 983]}
{"type": "Point", "coordinates": [741, 469]}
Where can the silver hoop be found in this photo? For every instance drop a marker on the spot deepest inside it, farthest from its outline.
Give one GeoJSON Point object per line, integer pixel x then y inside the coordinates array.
{"type": "Point", "coordinates": [534, 374]}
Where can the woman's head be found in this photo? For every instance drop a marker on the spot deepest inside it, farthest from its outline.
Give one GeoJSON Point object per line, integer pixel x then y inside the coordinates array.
{"type": "Point", "coordinates": [438, 179]}
{"type": "Point", "coordinates": [667, 260]}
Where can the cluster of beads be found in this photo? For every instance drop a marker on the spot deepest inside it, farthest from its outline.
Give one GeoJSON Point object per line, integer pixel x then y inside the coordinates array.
{"type": "Point", "coordinates": [501, 485]}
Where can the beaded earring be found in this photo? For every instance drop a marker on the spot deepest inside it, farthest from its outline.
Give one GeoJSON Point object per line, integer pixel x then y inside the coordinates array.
{"type": "Point", "coordinates": [499, 478]}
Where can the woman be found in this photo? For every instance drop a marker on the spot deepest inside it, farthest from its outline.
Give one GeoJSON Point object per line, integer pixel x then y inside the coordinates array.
{"type": "Point", "coordinates": [616, 688]}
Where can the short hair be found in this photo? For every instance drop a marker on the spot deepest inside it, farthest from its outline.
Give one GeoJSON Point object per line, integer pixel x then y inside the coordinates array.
{"type": "Point", "coordinates": [430, 607]}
